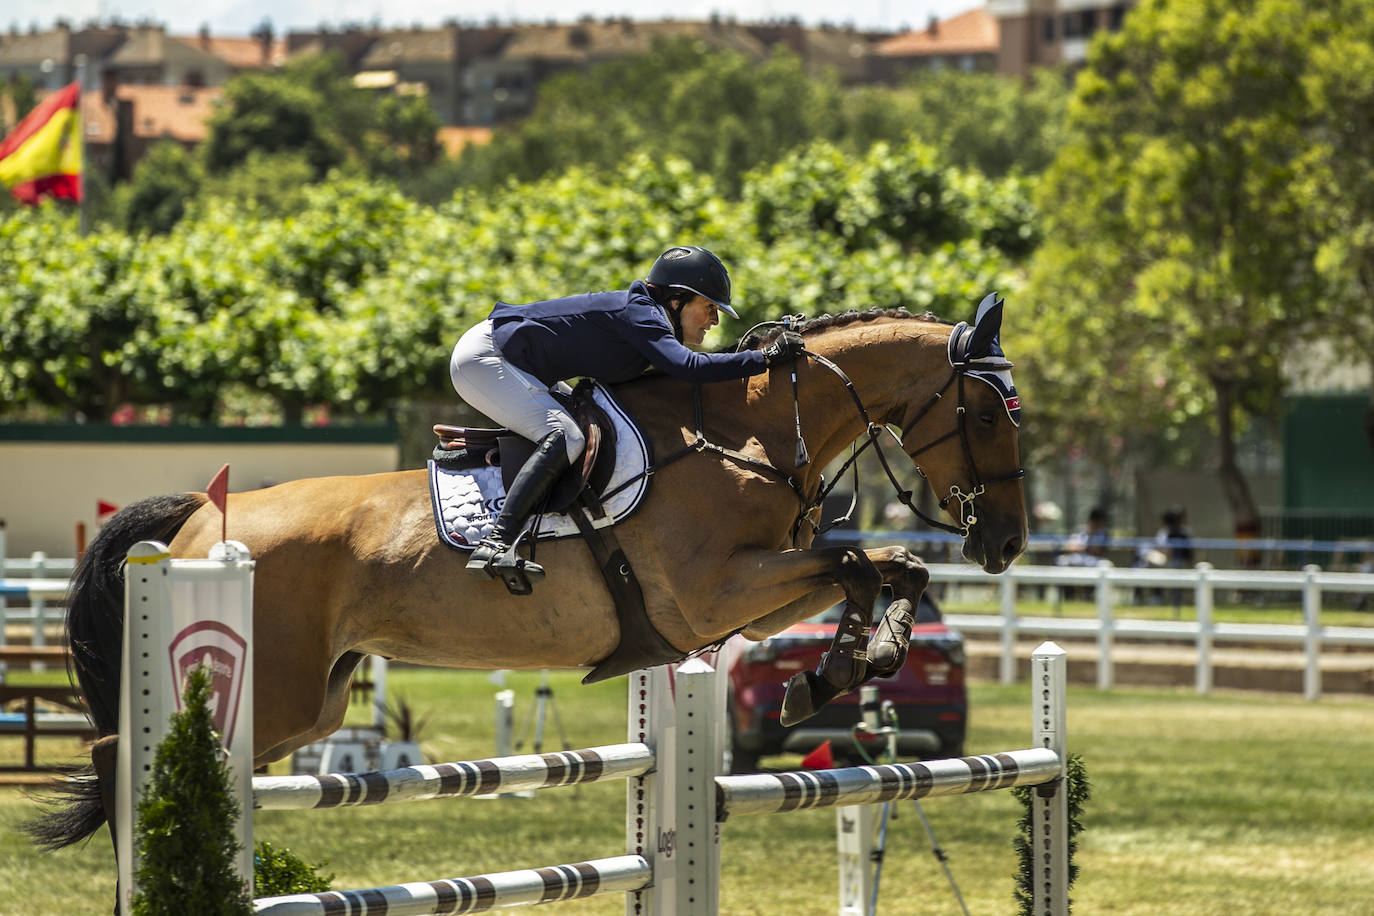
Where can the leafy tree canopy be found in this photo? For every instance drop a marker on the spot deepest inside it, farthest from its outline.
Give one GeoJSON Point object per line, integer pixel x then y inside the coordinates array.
{"type": "Point", "coordinates": [725, 114]}
{"type": "Point", "coordinates": [312, 108]}
{"type": "Point", "coordinates": [1178, 262]}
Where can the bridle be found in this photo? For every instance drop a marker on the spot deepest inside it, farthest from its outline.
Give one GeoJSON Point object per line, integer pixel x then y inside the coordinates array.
{"type": "Point", "coordinates": [875, 432]}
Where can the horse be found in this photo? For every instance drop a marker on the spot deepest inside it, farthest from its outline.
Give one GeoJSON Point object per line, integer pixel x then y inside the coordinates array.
{"type": "Point", "coordinates": [350, 566]}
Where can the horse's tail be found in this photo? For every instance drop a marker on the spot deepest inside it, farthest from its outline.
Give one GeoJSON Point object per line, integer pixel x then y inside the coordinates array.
{"type": "Point", "coordinates": [95, 633]}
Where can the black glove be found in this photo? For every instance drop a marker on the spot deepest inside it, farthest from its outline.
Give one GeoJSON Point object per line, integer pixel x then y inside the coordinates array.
{"type": "Point", "coordinates": [786, 347]}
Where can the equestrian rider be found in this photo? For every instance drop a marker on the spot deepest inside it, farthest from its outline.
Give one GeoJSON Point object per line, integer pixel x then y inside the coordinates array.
{"type": "Point", "coordinates": [506, 366]}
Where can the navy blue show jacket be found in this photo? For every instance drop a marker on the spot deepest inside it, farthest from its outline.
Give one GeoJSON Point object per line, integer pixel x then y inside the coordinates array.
{"type": "Point", "coordinates": [612, 337]}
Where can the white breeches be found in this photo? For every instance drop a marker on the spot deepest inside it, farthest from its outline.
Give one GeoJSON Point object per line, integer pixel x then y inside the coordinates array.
{"type": "Point", "coordinates": [510, 396]}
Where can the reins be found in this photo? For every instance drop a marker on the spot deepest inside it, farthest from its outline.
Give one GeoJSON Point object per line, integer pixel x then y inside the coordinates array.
{"type": "Point", "coordinates": [873, 434]}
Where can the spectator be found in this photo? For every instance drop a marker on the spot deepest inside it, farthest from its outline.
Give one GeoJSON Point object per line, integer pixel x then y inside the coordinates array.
{"type": "Point", "coordinates": [1088, 545]}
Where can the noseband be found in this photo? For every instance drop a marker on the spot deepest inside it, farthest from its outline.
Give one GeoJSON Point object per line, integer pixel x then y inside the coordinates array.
{"type": "Point", "coordinates": [968, 515]}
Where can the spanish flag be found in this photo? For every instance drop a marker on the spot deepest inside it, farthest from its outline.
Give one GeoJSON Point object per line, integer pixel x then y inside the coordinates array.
{"type": "Point", "coordinates": [42, 155]}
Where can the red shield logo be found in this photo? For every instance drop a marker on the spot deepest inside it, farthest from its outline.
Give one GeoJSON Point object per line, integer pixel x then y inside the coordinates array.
{"type": "Point", "coordinates": [222, 652]}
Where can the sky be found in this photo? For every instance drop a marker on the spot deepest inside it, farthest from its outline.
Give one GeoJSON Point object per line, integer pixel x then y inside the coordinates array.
{"type": "Point", "coordinates": [239, 17]}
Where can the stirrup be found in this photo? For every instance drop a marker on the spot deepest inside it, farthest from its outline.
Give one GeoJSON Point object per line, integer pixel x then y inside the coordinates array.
{"type": "Point", "coordinates": [495, 560]}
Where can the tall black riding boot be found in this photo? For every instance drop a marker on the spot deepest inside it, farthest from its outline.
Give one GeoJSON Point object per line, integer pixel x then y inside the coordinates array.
{"type": "Point", "coordinates": [496, 556]}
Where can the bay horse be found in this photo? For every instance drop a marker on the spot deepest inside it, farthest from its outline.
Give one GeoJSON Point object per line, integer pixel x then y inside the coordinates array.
{"type": "Point", "coordinates": [348, 566]}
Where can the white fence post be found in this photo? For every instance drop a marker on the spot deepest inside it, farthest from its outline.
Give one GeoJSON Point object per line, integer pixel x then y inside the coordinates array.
{"type": "Point", "coordinates": [697, 761]}
{"type": "Point", "coordinates": [39, 606]}
{"type": "Point", "coordinates": [649, 798]}
{"type": "Point", "coordinates": [379, 694]}
{"type": "Point", "coordinates": [1312, 640]}
{"type": "Point", "coordinates": [1205, 630]}
{"type": "Point", "coordinates": [1105, 673]}
{"type": "Point", "coordinates": [1050, 802]}
{"type": "Point", "coordinates": [1007, 588]}
{"type": "Point", "coordinates": [4, 604]}
{"type": "Point", "coordinates": [854, 826]}
{"type": "Point", "coordinates": [181, 614]}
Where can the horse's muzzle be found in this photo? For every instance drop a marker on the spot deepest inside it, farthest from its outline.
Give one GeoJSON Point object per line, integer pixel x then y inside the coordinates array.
{"type": "Point", "coordinates": [992, 547]}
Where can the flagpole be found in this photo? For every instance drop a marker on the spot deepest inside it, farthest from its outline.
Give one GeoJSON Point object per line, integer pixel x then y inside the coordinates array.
{"type": "Point", "coordinates": [81, 129]}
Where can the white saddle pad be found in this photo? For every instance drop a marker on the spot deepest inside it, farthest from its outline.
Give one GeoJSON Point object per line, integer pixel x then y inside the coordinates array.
{"type": "Point", "coordinates": [467, 502]}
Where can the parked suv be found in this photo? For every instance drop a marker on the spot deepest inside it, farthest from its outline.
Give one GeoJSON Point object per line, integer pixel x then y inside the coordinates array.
{"type": "Point", "coordinates": [927, 693]}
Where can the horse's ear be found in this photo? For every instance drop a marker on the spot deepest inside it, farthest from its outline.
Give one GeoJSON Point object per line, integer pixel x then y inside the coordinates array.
{"type": "Point", "coordinates": [986, 328]}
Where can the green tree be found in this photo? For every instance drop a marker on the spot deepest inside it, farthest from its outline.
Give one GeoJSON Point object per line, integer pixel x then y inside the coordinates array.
{"type": "Point", "coordinates": [719, 110]}
{"type": "Point", "coordinates": [311, 108]}
{"type": "Point", "coordinates": [184, 830]}
{"type": "Point", "coordinates": [275, 112]}
{"type": "Point", "coordinates": [977, 121]}
{"type": "Point", "coordinates": [164, 181]}
{"type": "Point", "coordinates": [1340, 91]}
{"type": "Point", "coordinates": [1178, 262]}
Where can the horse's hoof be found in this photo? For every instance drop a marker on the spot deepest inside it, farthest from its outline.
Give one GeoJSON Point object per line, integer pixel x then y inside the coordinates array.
{"type": "Point", "coordinates": [888, 647]}
{"type": "Point", "coordinates": [806, 694]}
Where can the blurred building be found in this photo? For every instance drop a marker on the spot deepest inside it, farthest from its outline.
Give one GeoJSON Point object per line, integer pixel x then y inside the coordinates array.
{"type": "Point", "coordinates": [481, 76]}
{"type": "Point", "coordinates": [1047, 33]}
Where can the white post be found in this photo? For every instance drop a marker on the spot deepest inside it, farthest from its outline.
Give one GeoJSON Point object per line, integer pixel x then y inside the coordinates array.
{"type": "Point", "coordinates": [670, 813]}
{"type": "Point", "coordinates": [505, 722]}
{"type": "Point", "coordinates": [4, 604]}
{"type": "Point", "coordinates": [39, 606]}
{"type": "Point", "coordinates": [854, 826]}
{"type": "Point", "coordinates": [180, 614]}
{"type": "Point", "coordinates": [1007, 671]}
{"type": "Point", "coordinates": [1106, 626]}
{"type": "Point", "coordinates": [1312, 639]}
{"type": "Point", "coordinates": [1050, 802]}
{"type": "Point", "coordinates": [698, 762]}
{"type": "Point", "coordinates": [648, 802]}
{"type": "Point", "coordinates": [1205, 630]}
{"type": "Point", "coordinates": [379, 694]}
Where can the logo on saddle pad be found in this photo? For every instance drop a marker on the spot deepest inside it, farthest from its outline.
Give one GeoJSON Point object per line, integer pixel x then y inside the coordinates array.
{"type": "Point", "coordinates": [223, 653]}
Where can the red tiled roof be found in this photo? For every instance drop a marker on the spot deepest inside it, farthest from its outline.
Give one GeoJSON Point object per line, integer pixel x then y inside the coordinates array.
{"type": "Point", "coordinates": [455, 138]}
{"type": "Point", "coordinates": [177, 112]}
{"type": "Point", "coordinates": [974, 32]}
{"type": "Point", "coordinates": [241, 53]}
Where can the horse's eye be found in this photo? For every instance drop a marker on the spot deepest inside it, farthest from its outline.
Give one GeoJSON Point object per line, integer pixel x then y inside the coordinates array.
{"type": "Point", "coordinates": [987, 418]}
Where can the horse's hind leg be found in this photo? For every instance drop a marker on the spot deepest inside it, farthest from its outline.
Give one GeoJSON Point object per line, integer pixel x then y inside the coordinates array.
{"type": "Point", "coordinates": [329, 715]}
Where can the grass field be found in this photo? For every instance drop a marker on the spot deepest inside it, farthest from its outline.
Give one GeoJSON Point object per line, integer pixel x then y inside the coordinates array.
{"type": "Point", "coordinates": [1234, 804]}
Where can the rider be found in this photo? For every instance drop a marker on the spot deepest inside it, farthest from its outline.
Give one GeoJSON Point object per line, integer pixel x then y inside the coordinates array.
{"type": "Point", "coordinates": [506, 366]}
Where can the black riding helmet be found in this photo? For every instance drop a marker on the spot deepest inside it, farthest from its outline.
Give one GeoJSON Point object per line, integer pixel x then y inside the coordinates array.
{"type": "Point", "coordinates": [696, 270]}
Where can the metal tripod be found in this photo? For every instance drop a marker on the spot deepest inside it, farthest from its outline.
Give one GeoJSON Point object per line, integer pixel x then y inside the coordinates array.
{"type": "Point", "coordinates": [873, 713]}
{"type": "Point", "coordinates": [543, 703]}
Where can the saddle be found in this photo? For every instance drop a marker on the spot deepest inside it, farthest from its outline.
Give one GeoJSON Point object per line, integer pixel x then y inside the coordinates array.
{"type": "Point", "coordinates": [465, 447]}
{"type": "Point", "coordinates": [578, 493]}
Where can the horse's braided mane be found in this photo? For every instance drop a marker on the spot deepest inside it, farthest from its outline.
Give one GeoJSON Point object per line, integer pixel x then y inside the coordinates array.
{"type": "Point", "coordinates": [758, 337]}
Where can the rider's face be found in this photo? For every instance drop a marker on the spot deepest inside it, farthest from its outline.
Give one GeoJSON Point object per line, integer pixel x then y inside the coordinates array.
{"type": "Point", "coordinates": [698, 316]}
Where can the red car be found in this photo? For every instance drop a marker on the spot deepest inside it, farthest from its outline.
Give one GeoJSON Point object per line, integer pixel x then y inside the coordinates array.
{"type": "Point", "coordinates": [927, 694]}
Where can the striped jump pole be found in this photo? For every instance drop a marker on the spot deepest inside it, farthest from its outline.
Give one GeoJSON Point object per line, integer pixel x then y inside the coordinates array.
{"type": "Point", "coordinates": [774, 793]}
{"type": "Point", "coordinates": [471, 895]}
{"type": "Point", "coordinates": [453, 780]}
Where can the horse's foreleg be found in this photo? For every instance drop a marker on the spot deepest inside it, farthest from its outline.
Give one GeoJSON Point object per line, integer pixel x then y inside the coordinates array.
{"type": "Point", "coordinates": [908, 577]}
{"type": "Point", "coordinates": [793, 578]}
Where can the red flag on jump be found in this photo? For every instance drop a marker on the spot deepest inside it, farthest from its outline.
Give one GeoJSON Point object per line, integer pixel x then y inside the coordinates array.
{"type": "Point", "coordinates": [822, 758]}
{"type": "Point", "coordinates": [103, 511]}
{"type": "Point", "coordinates": [218, 491]}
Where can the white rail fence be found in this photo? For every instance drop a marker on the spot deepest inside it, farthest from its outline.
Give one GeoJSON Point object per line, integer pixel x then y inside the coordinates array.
{"type": "Point", "coordinates": [1201, 584]}
{"type": "Point", "coordinates": [676, 799]}
{"type": "Point", "coordinates": [33, 584]}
